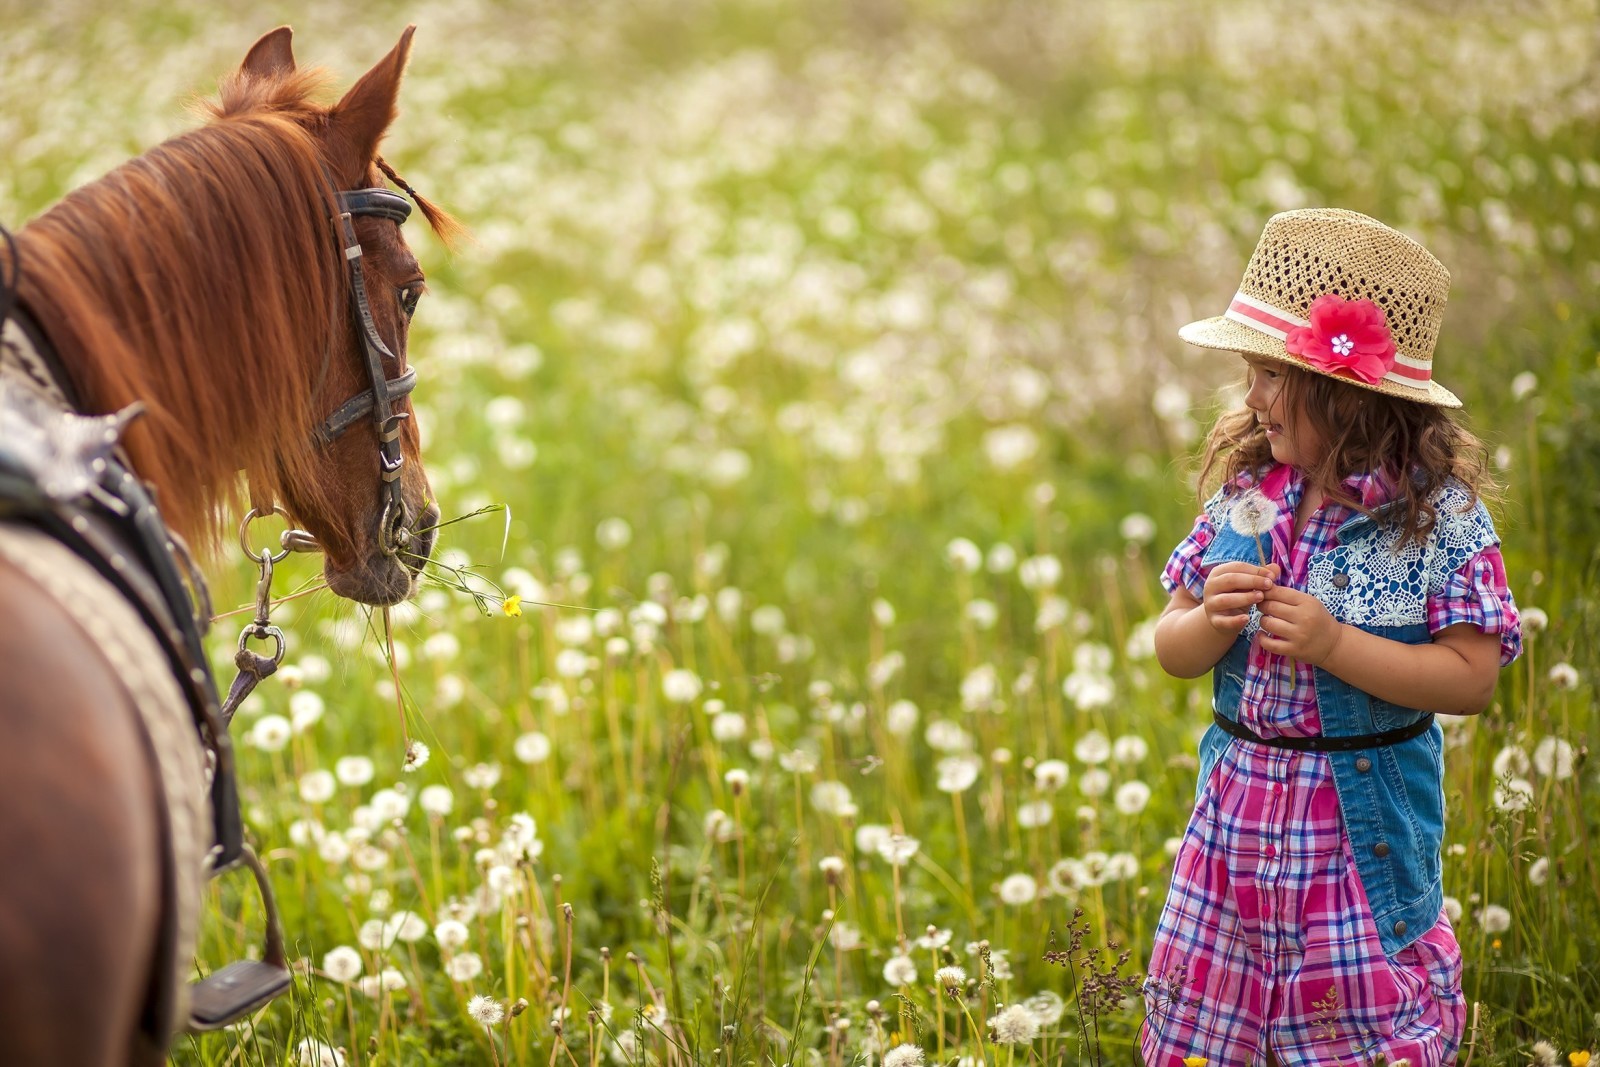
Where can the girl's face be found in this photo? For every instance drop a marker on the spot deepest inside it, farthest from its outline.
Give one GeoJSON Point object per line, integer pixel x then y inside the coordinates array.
{"type": "Point", "coordinates": [1292, 441]}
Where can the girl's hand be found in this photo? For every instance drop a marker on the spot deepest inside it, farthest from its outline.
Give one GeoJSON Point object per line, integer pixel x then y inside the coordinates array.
{"type": "Point", "coordinates": [1231, 590]}
{"type": "Point", "coordinates": [1297, 625]}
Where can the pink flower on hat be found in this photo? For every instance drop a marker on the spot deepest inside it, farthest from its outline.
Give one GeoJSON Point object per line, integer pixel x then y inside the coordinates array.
{"type": "Point", "coordinates": [1348, 338]}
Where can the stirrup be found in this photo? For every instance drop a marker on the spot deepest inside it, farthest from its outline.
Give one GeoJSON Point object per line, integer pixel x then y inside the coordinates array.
{"type": "Point", "coordinates": [227, 995]}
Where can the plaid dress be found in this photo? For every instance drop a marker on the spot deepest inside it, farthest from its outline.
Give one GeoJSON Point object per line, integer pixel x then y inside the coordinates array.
{"type": "Point", "coordinates": [1267, 939]}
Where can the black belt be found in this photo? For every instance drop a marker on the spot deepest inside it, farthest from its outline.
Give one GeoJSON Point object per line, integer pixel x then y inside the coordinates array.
{"type": "Point", "coordinates": [1326, 744]}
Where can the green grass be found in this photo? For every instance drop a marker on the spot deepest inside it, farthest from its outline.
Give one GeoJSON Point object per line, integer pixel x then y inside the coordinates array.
{"type": "Point", "coordinates": [801, 294]}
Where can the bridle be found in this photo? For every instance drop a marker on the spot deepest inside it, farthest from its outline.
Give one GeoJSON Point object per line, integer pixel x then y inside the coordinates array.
{"type": "Point", "coordinates": [379, 400]}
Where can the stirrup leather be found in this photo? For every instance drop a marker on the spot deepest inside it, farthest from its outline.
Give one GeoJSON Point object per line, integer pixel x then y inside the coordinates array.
{"type": "Point", "coordinates": [227, 995]}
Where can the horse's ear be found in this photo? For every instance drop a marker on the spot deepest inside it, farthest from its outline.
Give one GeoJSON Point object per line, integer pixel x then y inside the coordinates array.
{"type": "Point", "coordinates": [270, 57]}
{"type": "Point", "coordinates": [358, 122]}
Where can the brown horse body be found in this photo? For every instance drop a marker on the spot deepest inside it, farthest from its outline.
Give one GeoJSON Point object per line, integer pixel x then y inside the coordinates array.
{"type": "Point", "coordinates": [205, 281]}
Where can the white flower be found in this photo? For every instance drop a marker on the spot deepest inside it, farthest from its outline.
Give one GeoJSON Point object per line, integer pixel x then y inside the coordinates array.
{"type": "Point", "coordinates": [271, 733]}
{"type": "Point", "coordinates": [1510, 760]}
{"type": "Point", "coordinates": [1015, 1025]}
{"type": "Point", "coordinates": [1131, 797]}
{"type": "Point", "coordinates": [681, 685]}
{"type": "Point", "coordinates": [1129, 748]}
{"type": "Point", "coordinates": [870, 836]}
{"type": "Point", "coordinates": [1138, 528]}
{"type": "Point", "coordinates": [1554, 758]}
{"type": "Point", "coordinates": [1452, 909]}
{"type": "Point", "coordinates": [1094, 782]}
{"type": "Point", "coordinates": [1514, 795]}
{"type": "Point", "coordinates": [1002, 559]}
{"type": "Point", "coordinates": [950, 977]}
{"type": "Point", "coordinates": [727, 726]}
{"type": "Point", "coordinates": [832, 866]}
{"type": "Point", "coordinates": [342, 964]}
{"type": "Point", "coordinates": [943, 735]}
{"type": "Point", "coordinates": [1035, 813]}
{"type": "Point", "coordinates": [798, 761]}
{"type": "Point", "coordinates": [1092, 748]}
{"type": "Point", "coordinates": [1039, 572]}
{"type": "Point", "coordinates": [1051, 774]}
{"type": "Point", "coordinates": [1088, 690]}
{"type": "Point", "coordinates": [416, 756]}
{"type": "Point", "coordinates": [353, 770]}
{"type": "Point", "coordinates": [405, 926]}
{"type": "Point", "coordinates": [898, 849]}
{"type": "Point", "coordinates": [963, 556]}
{"type": "Point", "coordinates": [312, 1052]}
{"type": "Point", "coordinates": [305, 707]}
{"type": "Point", "coordinates": [1068, 875]}
{"type": "Point", "coordinates": [1047, 1007]}
{"type": "Point", "coordinates": [1539, 871]}
{"type": "Point", "coordinates": [903, 1056]}
{"type": "Point", "coordinates": [832, 798]}
{"type": "Point", "coordinates": [485, 1011]}
{"type": "Point", "coordinates": [463, 967]}
{"type": "Point", "coordinates": [979, 687]}
{"type": "Point", "coordinates": [1018, 889]}
{"type": "Point", "coordinates": [958, 773]}
{"type": "Point", "coordinates": [737, 779]}
{"type": "Point", "coordinates": [317, 787]}
{"type": "Point", "coordinates": [883, 613]}
{"type": "Point", "coordinates": [481, 775]}
{"type": "Point", "coordinates": [1544, 1053]}
{"type": "Point", "coordinates": [390, 804]}
{"type": "Point", "coordinates": [1252, 514]}
{"type": "Point", "coordinates": [1524, 384]}
{"type": "Point", "coordinates": [1535, 620]}
{"type": "Point", "coordinates": [901, 718]}
{"type": "Point", "coordinates": [982, 613]}
{"type": "Point", "coordinates": [436, 800]}
{"type": "Point", "coordinates": [1564, 676]}
{"type": "Point", "coordinates": [1494, 919]}
{"type": "Point", "coordinates": [451, 934]}
{"type": "Point", "coordinates": [613, 533]}
{"type": "Point", "coordinates": [900, 970]}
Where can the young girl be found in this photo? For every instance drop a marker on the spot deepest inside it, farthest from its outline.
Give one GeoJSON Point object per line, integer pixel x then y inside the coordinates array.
{"type": "Point", "coordinates": [1342, 586]}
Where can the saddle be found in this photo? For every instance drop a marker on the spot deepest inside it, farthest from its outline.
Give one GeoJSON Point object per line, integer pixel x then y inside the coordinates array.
{"type": "Point", "coordinates": [65, 475]}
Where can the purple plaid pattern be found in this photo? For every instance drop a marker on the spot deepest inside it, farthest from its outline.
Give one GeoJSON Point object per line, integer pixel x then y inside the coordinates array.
{"type": "Point", "coordinates": [1266, 922]}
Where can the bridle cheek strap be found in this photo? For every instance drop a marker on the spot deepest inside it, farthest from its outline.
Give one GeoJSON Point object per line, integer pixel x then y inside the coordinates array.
{"type": "Point", "coordinates": [379, 400]}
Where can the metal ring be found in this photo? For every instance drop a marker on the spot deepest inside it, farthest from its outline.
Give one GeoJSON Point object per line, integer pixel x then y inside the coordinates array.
{"type": "Point", "coordinates": [244, 527]}
{"type": "Point", "coordinates": [262, 633]}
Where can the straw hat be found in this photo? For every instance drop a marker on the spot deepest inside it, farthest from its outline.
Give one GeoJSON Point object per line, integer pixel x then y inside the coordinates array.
{"type": "Point", "coordinates": [1339, 294]}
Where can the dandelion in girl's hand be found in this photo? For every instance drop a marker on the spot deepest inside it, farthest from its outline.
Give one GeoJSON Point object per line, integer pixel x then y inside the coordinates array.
{"type": "Point", "coordinates": [1015, 1025]}
{"type": "Point", "coordinates": [512, 605]}
{"type": "Point", "coordinates": [485, 1011]}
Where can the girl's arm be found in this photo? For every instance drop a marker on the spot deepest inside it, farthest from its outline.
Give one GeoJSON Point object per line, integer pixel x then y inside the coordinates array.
{"type": "Point", "coordinates": [1455, 673]}
{"type": "Point", "coordinates": [1192, 635]}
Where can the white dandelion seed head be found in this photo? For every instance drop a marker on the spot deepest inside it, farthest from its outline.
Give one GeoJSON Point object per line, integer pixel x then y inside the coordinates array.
{"type": "Point", "coordinates": [388, 805]}
{"type": "Point", "coordinates": [1452, 909]}
{"type": "Point", "coordinates": [870, 836]}
{"type": "Point", "coordinates": [956, 774]}
{"type": "Point", "coordinates": [900, 970]}
{"type": "Point", "coordinates": [942, 735]}
{"type": "Point", "coordinates": [728, 726]}
{"type": "Point", "coordinates": [1015, 1025]}
{"type": "Point", "coordinates": [831, 797]}
{"type": "Point", "coordinates": [1494, 919]}
{"type": "Point", "coordinates": [833, 866]}
{"type": "Point", "coordinates": [1002, 558]}
{"type": "Point", "coordinates": [982, 613]}
{"type": "Point", "coordinates": [1137, 528]}
{"type": "Point", "coordinates": [271, 733]}
{"type": "Point", "coordinates": [901, 718]}
{"type": "Point", "coordinates": [903, 1056]}
{"type": "Point", "coordinates": [1051, 774]}
{"type": "Point", "coordinates": [353, 770]}
{"type": "Point", "coordinates": [342, 964]}
{"type": "Point", "coordinates": [980, 687]}
{"type": "Point", "coordinates": [1544, 1053]}
{"type": "Point", "coordinates": [1092, 748]}
{"type": "Point", "coordinates": [416, 756]}
{"type": "Point", "coordinates": [1094, 781]}
{"type": "Point", "coordinates": [317, 787]}
{"type": "Point", "coordinates": [1129, 748]}
{"type": "Point", "coordinates": [1018, 890]}
{"type": "Point", "coordinates": [1047, 1008]}
{"type": "Point", "coordinates": [951, 977]}
{"type": "Point", "coordinates": [334, 849]}
{"type": "Point", "coordinates": [1512, 760]}
{"type": "Point", "coordinates": [406, 926]}
{"type": "Point", "coordinates": [451, 934]}
{"type": "Point", "coordinates": [306, 707]}
{"type": "Point", "coordinates": [313, 1052]}
{"type": "Point", "coordinates": [1535, 620]}
{"type": "Point", "coordinates": [1039, 573]}
{"type": "Point", "coordinates": [1555, 758]}
{"type": "Point", "coordinates": [1539, 871]}
{"type": "Point", "coordinates": [798, 761]}
{"type": "Point", "coordinates": [1088, 690]}
{"type": "Point", "coordinates": [963, 555]}
{"type": "Point", "coordinates": [898, 849]}
{"type": "Point", "coordinates": [436, 800]}
{"type": "Point", "coordinates": [485, 1011]}
{"type": "Point", "coordinates": [1131, 797]}
{"type": "Point", "coordinates": [1563, 676]}
{"type": "Point", "coordinates": [1516, 794]}
{"type": "Point", "coordinates": [481, 776]}
{"type": "Point", "coordinates": [681, 685]}
{"type": "Point", "coordinates": [1252, 514]}
{"type": "Point", "coordinates": [463, 967]}
{"type": "Point", "coordinates": [1035, 813]}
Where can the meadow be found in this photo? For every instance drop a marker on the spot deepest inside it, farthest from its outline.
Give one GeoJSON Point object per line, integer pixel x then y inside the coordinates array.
{"type": "Point", "coordinates": [809, 400]}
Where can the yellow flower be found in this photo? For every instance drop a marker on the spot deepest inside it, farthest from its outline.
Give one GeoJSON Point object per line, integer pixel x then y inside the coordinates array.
{"type": "Point", "coordinates": [1579, 1059]}
{"type": "Point", "coordinates": [512, 605]}
{"type": "Point", "coordinates": [1194, 1061]}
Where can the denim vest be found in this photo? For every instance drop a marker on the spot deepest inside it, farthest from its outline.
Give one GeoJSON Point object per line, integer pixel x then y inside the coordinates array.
{"type": "Point", "coordinates": [1391, 798]}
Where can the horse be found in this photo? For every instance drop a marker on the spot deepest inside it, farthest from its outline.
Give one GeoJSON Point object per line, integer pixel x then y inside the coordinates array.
{"type": "Point", "coordinates": [195, 314]}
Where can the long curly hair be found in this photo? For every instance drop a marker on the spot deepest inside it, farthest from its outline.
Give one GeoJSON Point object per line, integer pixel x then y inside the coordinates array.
{"type": "Point", "coordinates": [1364, 431]}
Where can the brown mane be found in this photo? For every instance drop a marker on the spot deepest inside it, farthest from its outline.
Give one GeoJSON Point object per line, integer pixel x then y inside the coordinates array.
{"type": "Point", "coordinates": [205, 273]}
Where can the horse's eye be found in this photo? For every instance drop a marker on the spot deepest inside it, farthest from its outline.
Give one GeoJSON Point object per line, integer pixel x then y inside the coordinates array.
{"type": "Point", "coordinates": [409, 296]}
